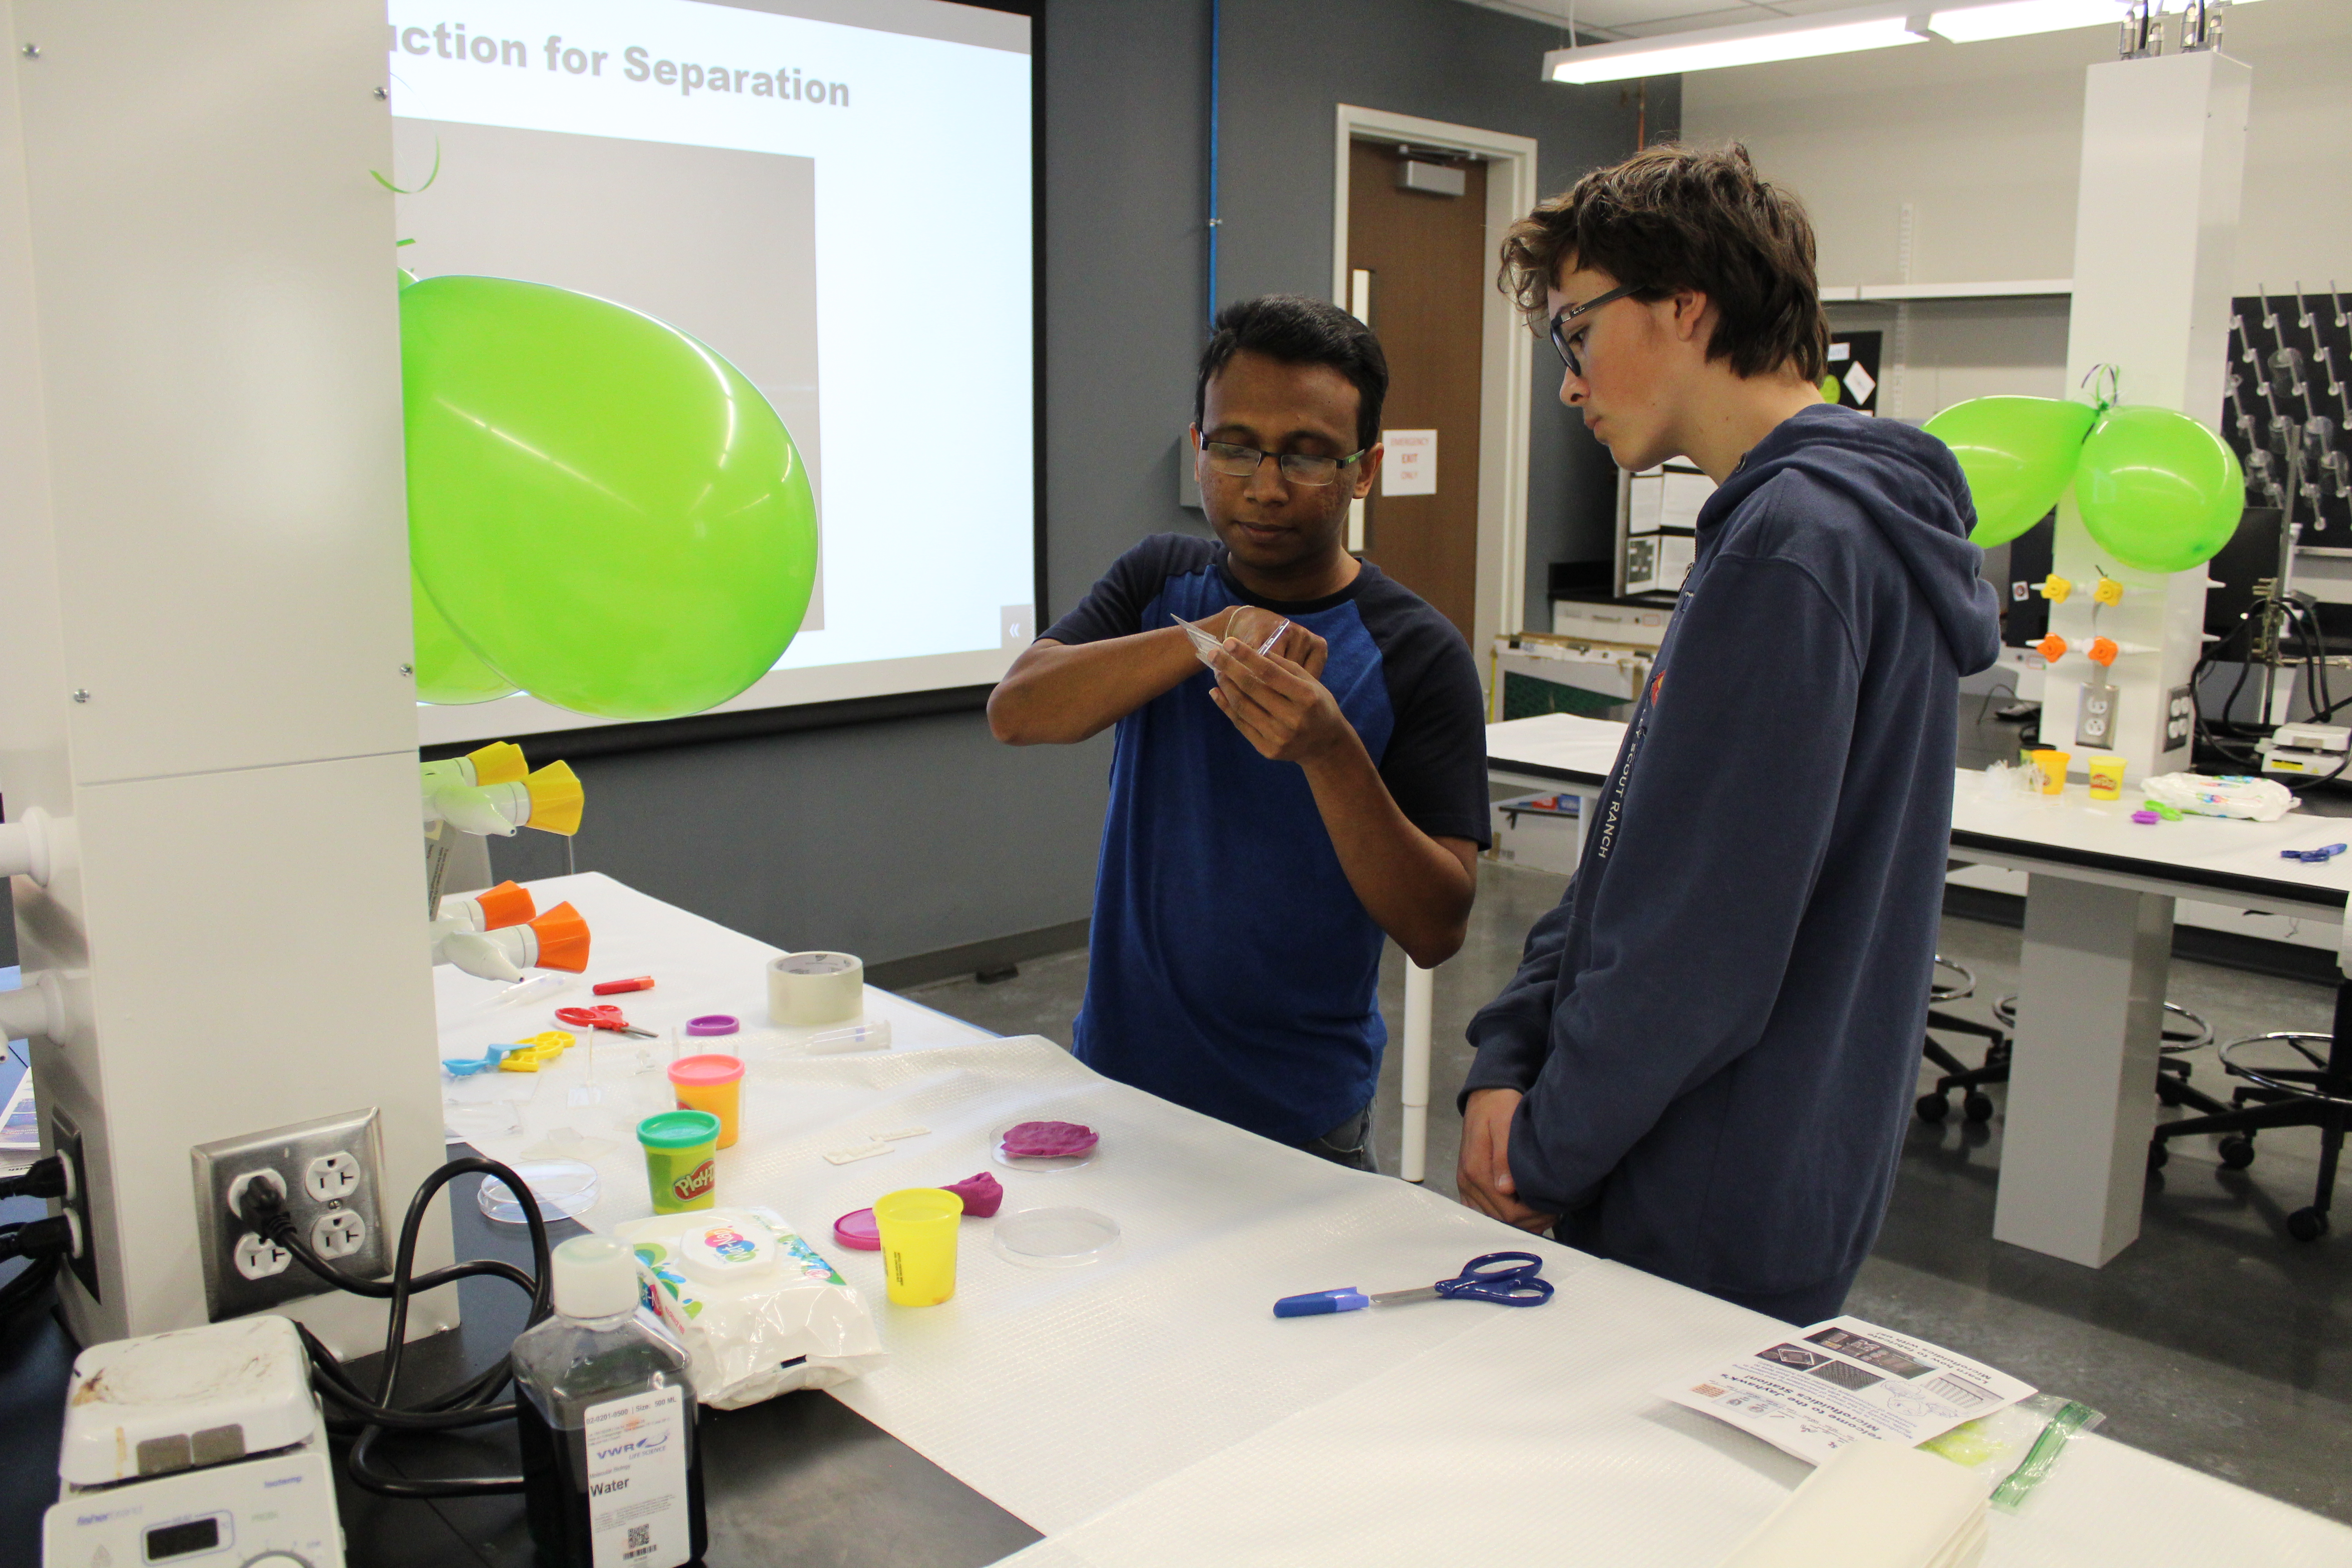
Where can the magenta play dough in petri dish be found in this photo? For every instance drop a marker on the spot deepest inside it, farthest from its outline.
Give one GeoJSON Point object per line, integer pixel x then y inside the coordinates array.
{"type": "Point", "coordinates": [1048, 1140]}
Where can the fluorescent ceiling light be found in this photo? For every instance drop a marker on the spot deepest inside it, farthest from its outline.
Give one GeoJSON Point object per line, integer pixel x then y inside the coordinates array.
{"type": "Point", "coordinates": [2015, 19]}
{"type": "Point", "coordinates": [1746, 45]}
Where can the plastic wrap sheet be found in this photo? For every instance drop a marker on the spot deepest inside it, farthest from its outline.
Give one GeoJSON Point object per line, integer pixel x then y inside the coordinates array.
{"type": "Point", "coordinates": [1535, 1431]}
{"type": "Point", "coordinates": [1058, 1392]}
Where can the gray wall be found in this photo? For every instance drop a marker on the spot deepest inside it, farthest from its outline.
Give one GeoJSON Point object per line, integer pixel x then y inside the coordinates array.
{"type": "Point", "coordinates": [1288, 62]}
{"type": "Point", "coordinates": [904, 837]}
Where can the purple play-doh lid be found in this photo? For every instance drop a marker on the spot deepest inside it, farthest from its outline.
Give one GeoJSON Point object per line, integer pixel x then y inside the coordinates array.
{"type": "Point", "coordinates": [713, 1024]}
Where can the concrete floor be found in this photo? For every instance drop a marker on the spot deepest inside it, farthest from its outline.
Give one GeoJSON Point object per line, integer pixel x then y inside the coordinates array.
{"type": "Point", "coordinates": [2213, 1341]}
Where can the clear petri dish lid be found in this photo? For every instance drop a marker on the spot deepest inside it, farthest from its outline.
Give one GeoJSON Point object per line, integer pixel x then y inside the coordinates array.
{"type": "Point", "coordinates": [564, 1189]}
{"type": "Point", "coordinates": [1055, 1238]}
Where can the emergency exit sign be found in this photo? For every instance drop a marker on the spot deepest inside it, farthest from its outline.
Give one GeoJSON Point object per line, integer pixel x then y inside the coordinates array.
{"type": "Point", "coordinates": [1409, 466]}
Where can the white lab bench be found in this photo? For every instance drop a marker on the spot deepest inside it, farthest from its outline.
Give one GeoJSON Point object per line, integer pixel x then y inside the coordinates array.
{"type": "Point", "coordinates": [2098, 940]}
{"type": "Point", "coordinates": [1149, 1409]}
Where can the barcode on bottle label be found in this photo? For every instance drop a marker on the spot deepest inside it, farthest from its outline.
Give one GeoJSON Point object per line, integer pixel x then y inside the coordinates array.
{"type": "Point", "coordinates": [637, 1515]}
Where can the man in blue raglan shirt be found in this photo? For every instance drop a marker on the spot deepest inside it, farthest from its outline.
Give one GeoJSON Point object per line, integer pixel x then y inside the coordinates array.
{"type": "Point", "coordinates": [1703, 1066]}
{"type": "Point", "coordinates": [1270, 821]}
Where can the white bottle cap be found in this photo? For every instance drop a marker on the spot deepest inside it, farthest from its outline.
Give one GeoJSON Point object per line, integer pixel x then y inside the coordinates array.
{"type": "Point", "coordinates": [595, 1277]}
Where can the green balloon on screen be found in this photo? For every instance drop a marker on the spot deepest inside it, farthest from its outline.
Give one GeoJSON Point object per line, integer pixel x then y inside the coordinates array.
{"type": "Point", "coordinates": [448, 671]}
{"type": "Point", "coordinates": [2158, 490]}
{"type": "Point", "coordinates": [606, 510]}
{"type": "Point", "coordinates": [2018, 453]}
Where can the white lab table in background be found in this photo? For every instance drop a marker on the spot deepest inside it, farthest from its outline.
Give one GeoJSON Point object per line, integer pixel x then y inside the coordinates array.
{"type": "Point", "coordinates": [2098, 940]}
{"type": "Point", "coordinates": [1149, 1408]}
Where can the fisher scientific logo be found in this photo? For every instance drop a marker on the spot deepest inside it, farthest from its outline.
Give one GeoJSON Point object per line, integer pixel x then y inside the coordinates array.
{"type": "Point", "coordinates": [632, 63]}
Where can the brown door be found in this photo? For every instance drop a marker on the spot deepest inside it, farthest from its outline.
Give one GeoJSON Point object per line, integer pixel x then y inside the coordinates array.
{"type": "Point", "coordinates": [1427, 255]}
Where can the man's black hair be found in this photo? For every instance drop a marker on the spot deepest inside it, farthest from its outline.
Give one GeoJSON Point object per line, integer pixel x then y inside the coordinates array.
{"type": "Point", "coordinates": [1294, 329]}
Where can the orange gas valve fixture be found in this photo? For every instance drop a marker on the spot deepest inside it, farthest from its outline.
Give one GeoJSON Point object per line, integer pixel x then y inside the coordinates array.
{"type": "Point", "coordinates": [2052, 648]}
{"type": "Point", "coordinates": [2103, 650]}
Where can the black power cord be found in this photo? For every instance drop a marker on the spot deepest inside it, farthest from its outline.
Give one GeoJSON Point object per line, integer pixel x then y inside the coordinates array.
{"type": "Point", "coordinates": [43, 1178]}
{"type": "Point", "coordinates": [366, 1418]}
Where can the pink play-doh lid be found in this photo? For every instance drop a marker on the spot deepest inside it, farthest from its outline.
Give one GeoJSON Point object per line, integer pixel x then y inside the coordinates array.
{"type": "Point", "coordinates": [713, 1024]}
{"type": "Point", "coordinates": [857, 1229]}
{"type": "Point", "coordinates": [706, 1071]}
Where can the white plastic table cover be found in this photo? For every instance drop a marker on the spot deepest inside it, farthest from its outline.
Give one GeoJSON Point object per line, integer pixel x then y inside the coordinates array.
{"type": "Point", "coordinates": [1149, 1409]}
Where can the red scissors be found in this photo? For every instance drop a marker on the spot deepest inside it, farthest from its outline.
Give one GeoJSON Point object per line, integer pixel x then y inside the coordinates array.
{"type": "Point", "coordinates": [605, 1016]}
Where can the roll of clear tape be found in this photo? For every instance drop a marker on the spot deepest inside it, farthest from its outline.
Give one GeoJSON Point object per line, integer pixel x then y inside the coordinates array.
{"type": "Point", "coordinates": [811, 990]}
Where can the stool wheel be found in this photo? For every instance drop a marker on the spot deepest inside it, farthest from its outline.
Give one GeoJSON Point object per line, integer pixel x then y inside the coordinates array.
{"type": "Point", "coordinates": [2237, 1152]}
{"type": "Point", "coordinates": [2160, 1153]}
{"type": "Point", "coordinates": [1977, 1107]}
{"type": "Point", "coordinates": [2306, 1224]}
{"type": "Point", "coordinates": [1933, 1108]}
{"type": "Point", "coordinates": [1963, 984]}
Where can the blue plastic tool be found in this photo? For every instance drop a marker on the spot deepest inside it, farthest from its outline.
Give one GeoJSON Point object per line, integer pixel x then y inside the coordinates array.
{"type": "Point", "coordinates": [1506, 1279]}
{"type": "Point", "coordinates": [2319, 856]}
{"type": "Point", "coordinates": [466, 1067]}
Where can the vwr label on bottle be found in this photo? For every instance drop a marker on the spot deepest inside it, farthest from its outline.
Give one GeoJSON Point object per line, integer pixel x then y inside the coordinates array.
{"type": "Point", "coordinates": [637, 1515]}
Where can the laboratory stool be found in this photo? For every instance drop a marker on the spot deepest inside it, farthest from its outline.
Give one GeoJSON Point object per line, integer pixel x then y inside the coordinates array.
{"type": "Point", "coordinates": [2184, 1031]}
{"type": "Point", "coordinates": [1974, 1104]}
{"type": "Point", "coordinates": [2318, 1093]}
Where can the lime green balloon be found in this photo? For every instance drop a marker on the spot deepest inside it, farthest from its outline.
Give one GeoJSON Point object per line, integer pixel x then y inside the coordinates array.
{"type": "Point", "coordinates": [2018, 453]}
{"type": "Point", "coordinates": [605, 509]}
{"type": "Point", "coordinates": [2158, 490]}
{"type": "Point", "coordinates": [448, 671]}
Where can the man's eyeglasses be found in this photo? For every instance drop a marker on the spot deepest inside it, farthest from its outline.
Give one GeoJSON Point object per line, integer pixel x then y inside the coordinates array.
{"type": "Point", "coordinates": [1568, 339]}
{"type": "Point", "coordinates": [1300, 467]}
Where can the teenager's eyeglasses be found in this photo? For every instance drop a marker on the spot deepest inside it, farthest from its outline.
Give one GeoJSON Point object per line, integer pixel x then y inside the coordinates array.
{"type": "Point", "coordinates": [1300, 467]}
{"type": "Point", "coordinates": [1570, 342]}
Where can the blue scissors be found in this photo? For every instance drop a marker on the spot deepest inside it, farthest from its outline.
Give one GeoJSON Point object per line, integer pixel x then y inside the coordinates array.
{"type": "Point", "coordinates": [1506, 1279]}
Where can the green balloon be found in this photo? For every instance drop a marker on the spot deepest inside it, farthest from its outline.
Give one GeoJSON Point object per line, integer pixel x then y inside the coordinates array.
{"type": "Point", "coordinates": [605, 509]}
{"type": "Point", "coordinates": [448, 671]}
{"type": "Point", "coordinates": [2158, 490]}
{"type": "Point", "coordinates": [2018, 453]}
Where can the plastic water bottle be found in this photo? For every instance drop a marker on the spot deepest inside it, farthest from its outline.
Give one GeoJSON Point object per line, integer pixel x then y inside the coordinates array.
{"type": "Point", "coordinates": [607, 1414]}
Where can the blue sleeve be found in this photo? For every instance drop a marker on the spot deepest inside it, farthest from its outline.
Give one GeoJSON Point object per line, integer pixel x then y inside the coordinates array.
{"type": "Point", "coordinates": [1114, 606]}
{"type": "Point", "coordinates": [1512, 1034]}
{"type": "Point", "coordinates": [1727, 814]}
{"type": "Point", "coordinates": [1435, 763]}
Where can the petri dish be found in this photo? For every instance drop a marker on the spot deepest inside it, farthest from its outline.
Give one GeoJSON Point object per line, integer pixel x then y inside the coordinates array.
{"type": "Point", "coordinates": [996, 1149]}
{"type": "Point", "coordinates": [565, 1189]}
{"type": "Point", "coordinates": [1055, 1238]}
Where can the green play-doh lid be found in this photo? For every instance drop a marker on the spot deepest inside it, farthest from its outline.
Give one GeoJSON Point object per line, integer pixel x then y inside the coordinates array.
{"type": "Point", "coordinates": [677, 1130]}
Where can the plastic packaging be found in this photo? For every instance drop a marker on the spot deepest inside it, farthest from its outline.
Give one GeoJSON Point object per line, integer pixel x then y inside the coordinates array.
{"type": "Point", "coordinates": [2014, 1450]}
{"type": "Point", "coordinates": [595, 1370]}
{"type": "Point", "coordinates": [2226, 794]}
{"type": "Point", "coordinates": [1260, 629]}
{"type": "Point", "coordinates": [756, 1307]}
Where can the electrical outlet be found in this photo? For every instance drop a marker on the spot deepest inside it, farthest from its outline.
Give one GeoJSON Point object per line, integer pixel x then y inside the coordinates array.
{"type": "Point", "coordinates": [65, 1141]}
{"type": "Point", "coordinates": [330, 1172]}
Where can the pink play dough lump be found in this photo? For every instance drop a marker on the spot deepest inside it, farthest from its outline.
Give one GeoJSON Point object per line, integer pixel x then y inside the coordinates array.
{"type": "Point", "coordinates": [1048, 1140]}
{"type": "Point", "coordinates": [982, 1195]}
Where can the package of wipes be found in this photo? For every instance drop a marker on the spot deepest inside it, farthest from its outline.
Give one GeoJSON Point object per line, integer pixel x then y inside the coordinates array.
{"type": "Point", "coordinates": [759, 1311]}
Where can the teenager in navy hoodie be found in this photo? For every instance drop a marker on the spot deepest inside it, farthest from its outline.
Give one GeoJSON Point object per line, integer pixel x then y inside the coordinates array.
{"type": "Point", "coordinates": [1703, 1065]}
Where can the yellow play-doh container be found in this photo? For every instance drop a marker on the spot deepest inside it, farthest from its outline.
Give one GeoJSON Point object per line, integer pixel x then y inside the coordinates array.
{"type": "Point", "coordinates": [919, 1227]}
{"type": "Point", "coordinates": [713, 1083]}
{"type": "Point", "coordinates": [2049, 770]}
{"type": "Point", "coordinates": [2106, 777]}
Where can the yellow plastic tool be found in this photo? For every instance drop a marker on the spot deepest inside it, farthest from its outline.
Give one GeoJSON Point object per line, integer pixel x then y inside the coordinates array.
{"type": "Point", "coordinates": [531, 1055]}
